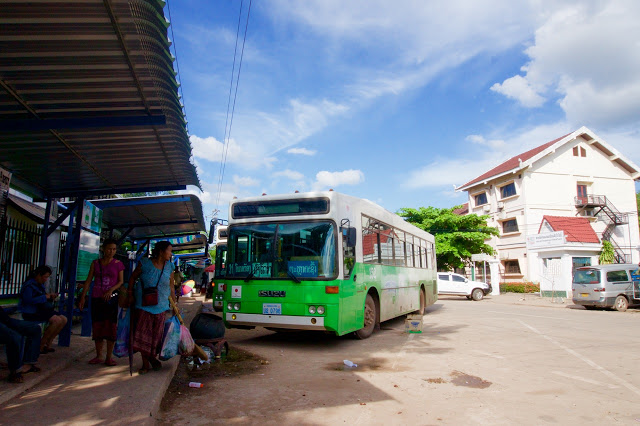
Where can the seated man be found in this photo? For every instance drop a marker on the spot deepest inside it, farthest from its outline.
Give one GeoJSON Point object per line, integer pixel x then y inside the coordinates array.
{"type": "Point", "coordinates": [23, 345]}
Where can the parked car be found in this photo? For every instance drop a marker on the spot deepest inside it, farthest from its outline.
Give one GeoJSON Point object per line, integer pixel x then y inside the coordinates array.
{"type": "Point", "coordinates": [455, 284]}
{"type": "Point", "coordinates": [606, 286]}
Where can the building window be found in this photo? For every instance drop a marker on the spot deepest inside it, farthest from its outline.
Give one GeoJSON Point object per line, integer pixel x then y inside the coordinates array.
{"type": "Point", "coordinates": [509, 226]}
{"type": "Point", "coordinates": [583, 152]}
{"type": "Point", "coordinates": [511, 267]}
{"type": "Point", "coordinates": [575, 151]}
{"type": "Point", "coordinates": [508, 190]}
{"type": "Point", "coordinates": [481, 199]}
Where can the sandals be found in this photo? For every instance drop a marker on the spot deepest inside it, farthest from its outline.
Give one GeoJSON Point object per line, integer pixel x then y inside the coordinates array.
{"type": "Point", "coordinates": [46, 350]}
{"type": "Point", "coordinates": [33, 369]}
{"type": "Point", "coordinates": [15, 378]}
{"type": "Point", "coordinates": [110, 363]}
{"type": "Point", "coordinates": [96, 360]}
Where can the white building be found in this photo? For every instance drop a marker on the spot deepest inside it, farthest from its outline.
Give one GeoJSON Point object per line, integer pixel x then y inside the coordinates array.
{"type": "Point", "coordinates": [578, 175]}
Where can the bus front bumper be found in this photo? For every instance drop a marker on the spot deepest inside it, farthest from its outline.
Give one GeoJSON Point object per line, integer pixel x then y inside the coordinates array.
{"type": "Point", "coordinates": [277, 321]}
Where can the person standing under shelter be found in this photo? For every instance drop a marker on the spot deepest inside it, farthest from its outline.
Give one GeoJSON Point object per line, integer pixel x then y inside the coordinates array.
{"type": "Point", "coordinates": [35, 305]}
{"type": "Point", "coordinates": [23, 345]}
{"type": "Point", "coordinates": [109, 276]}
{"type": "Point", "coordinates": [152, 295]}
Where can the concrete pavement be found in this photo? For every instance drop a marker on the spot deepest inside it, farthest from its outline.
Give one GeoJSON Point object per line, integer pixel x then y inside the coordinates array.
{"type": "Point", "coordinates": [69, 391]}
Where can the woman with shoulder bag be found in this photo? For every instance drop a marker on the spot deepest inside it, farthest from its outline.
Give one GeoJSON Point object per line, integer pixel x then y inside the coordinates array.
{"type": "Point", "coordinates": [109, 276]}
{"type": "Point", "coordinates": [151, 302]}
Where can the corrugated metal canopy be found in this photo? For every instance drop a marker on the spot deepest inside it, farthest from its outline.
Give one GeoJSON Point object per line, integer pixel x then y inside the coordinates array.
{"type": "Point", "coordinates": [85, 88]}
{"type": "Point", "coordinates": [153, 216]}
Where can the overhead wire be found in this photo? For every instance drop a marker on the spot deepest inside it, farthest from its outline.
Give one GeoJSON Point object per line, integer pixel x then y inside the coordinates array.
{"type": "Point", "coordinates": [231, 107]}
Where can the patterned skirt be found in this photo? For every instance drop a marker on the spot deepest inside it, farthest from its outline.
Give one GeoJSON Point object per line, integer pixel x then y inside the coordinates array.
{"type": "Point", "coordinates": [104, 318]}
{"type": "Point", "coordinates": [147, 336]}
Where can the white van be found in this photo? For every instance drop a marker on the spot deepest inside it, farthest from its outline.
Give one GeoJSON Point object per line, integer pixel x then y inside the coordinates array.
{"type": "Point", "coordinates": [606, 286]}
{"type": "Point", "coordinates": [457, 285]}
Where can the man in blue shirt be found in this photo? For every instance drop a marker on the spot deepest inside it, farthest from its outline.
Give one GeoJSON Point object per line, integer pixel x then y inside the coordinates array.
{"type": "Point", "coordinates": [23, 345]}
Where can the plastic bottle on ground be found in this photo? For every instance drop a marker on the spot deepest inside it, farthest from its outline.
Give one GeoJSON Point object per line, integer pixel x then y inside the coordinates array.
{"type": "Point", "coordinates": [195, 385]}
{"type": "Point", "coordinates": [349, 363]}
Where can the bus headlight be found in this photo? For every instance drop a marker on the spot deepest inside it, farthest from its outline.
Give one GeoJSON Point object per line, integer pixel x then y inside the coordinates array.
{"type": "Point", "coordinates": [236, 306]}
{"type": "Point", "coordinates": [229, 306]}
{"type": "Point", "coordinates": [312, 310]}
{"type": "Point", "coordinates": [320, 310]}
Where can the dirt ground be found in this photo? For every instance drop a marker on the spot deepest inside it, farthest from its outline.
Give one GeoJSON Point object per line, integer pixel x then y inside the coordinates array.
{"type": "Point", "coordinates": [474, 363]}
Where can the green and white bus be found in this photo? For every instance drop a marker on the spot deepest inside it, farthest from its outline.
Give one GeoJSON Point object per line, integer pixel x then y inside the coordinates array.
{"type": "Point", "coordinates": [324, 261]}
{"type": "Point", "coordinates": [220, 264]}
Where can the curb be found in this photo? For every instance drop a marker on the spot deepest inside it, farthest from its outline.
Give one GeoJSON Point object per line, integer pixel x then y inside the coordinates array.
{"type": "Point", "coordinates": [42, 376]}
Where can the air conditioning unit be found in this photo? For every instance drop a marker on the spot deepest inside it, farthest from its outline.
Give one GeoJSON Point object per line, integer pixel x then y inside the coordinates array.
{"type": "Point", "coordinates": [486, 208]}
{"type": "Point", "coordinates": [501, 204]}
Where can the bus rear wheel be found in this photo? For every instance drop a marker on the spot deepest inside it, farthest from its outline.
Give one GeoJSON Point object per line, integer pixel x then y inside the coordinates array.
{"type": "Point", "coordinates": [423, 303]}
{"type": "Point", "coordinates": [370, 316]}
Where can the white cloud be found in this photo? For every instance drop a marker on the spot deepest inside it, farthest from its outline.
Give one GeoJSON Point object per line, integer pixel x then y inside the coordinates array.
{"type": "Point", "coordinates": [289, 174]}
{"type": "Point", "coordinates": [211, 149]}
{"type": "Point", "coordinates": [327, 180]}
{"type": "Point", "coordinates": [587, 55]}
{"type": "Point", "coordinates": [245, 181]}
{"type": "Point", "coordinates": [520, 89]}
{"type": "Point", "coordinates": [301, 151]}
{"type": "Point", "coordinates": [496, 144]}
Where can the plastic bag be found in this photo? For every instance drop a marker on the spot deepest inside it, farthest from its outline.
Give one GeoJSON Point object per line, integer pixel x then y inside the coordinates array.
{"type": "Point", "coordinates": [186, 341]}
{"type": "Point", "coordinates": [171, 340]}
{"type": "Point", "coordinates": [121, 347]}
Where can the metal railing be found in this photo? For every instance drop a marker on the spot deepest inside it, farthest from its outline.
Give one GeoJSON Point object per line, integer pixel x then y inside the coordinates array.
{"type": "Point", "coordinates": [19, 255]}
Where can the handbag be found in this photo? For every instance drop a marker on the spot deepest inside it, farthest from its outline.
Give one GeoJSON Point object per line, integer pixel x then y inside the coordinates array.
{"type": "Point", "coordinates": [150, 294]}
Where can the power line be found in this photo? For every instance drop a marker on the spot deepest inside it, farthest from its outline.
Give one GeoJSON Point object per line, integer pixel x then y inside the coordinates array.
{"type": "Point", "coordinates": [229, 119]}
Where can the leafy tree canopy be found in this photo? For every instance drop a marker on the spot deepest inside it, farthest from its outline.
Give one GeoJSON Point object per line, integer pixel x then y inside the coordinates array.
{"type": "Point", "coordinates": [457, 237]}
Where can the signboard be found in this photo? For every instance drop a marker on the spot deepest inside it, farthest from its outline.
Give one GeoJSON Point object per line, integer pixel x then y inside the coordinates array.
{"type": "Point", "coordinates": [482, 257]}
{"type": "Point", "coordinates": [89, 248]}
{"type": "Point", "coordinates": [91, 217]}
{"type": "Point", "coordinates": [546, 240]}
{"type": "Point", "coordinates": [5, 179]}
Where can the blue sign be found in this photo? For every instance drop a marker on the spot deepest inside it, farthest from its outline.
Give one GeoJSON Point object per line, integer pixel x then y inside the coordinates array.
{"type": "Point", "coordinates": [303, 268]}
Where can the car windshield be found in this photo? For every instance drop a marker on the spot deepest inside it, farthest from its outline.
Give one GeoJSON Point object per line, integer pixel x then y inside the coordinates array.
{"type": "Point", "coordinates": [586, 276]}
{"type": "Point", "coordinates": [296, 250]}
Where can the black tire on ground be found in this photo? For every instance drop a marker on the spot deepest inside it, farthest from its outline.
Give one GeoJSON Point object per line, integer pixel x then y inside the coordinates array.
{"type": "Point", "coordinates": [477, 294]}
{"type": "Point", "coordinates": [370, 316]}
{"type": "Point", "coordinates": [423, 303]}
{"type": "Point", "coordinates": [621, 304]}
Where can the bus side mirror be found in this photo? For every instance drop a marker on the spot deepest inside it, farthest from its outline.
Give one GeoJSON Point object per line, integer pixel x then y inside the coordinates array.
{"type": "Point", "coordinates": [349, 235]}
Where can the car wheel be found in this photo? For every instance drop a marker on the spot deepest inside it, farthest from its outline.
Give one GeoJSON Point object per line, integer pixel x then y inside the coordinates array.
{"type": "Point", "coordinates": [621, 304]}
{"type": "Point", "coordinates": [477, 294]}
{"type": "Point", "coordinates": [370, 316]}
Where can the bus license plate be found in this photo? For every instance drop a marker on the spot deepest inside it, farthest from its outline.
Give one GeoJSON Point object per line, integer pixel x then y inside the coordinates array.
{"type": "Point", "coordinates": [272, 309]}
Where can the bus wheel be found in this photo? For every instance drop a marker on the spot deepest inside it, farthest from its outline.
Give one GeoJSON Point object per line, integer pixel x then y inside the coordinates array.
{"type": "Point", "coordinates": [423, 303]}
{"type": "Point", "coordinates": [621, 304]}
{"type": "Point", "coordinates": [369, 319]}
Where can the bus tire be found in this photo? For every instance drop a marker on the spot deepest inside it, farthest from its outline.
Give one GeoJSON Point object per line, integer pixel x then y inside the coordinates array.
{"type": "Point", "coordinates": [423, 302]}
{"type": "Point", "coordinates": [370, 315]}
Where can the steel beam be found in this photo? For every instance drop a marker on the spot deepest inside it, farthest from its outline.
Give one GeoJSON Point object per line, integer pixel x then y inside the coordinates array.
{"type": "Point", "coordinates": [81, 123]}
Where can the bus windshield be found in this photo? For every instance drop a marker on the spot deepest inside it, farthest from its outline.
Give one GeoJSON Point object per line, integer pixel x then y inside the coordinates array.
{"type": "Point", "coordinates": [221, 260]}
{"type": "Point", "coordinates": [294, 250]}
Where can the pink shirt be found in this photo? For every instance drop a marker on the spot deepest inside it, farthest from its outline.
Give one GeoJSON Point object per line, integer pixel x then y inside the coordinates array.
{"type": "Point", "coordinates": [105, 277]}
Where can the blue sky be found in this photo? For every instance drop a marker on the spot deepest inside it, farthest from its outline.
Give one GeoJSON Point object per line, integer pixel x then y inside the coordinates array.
{"type": "Point", "coordinates": [398, 102]}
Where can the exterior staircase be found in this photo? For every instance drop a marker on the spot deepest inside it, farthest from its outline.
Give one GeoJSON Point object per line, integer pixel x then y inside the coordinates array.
{"type": "Point", "coordinates": [606, 211]}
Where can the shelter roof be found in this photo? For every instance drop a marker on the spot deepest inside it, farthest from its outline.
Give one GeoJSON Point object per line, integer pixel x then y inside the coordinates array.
{"type": "Point", "coordinates": [186, 242]}
{"type": "Point", "coordinates": [88, 99]}
{"type": "Point", "coordinates": [158, 216]}
{"type": "Point", "coordinates": [576, 229]}
{"type": "Point", "coordinates": [28, 208]}
{"type": "Point", "coordinates": [525, 159]}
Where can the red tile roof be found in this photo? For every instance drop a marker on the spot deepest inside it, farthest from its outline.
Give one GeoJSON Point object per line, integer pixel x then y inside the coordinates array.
{"type": "Point", "coordinates": [576, 229]}
{"type": "Point", "coordinates": [513, 162]}
{"type": "Point", "coordinates": [462, 210]}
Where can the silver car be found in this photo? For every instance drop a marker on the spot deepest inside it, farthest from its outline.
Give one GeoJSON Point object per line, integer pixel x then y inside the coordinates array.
{"type": "Point", "coordinates": [606, 286]}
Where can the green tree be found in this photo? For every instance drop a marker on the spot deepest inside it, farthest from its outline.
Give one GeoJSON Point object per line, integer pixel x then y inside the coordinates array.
{"type": "Point", "coordinates": [607, 255]}
{"type": "Point", "coordinates": [457, 237]}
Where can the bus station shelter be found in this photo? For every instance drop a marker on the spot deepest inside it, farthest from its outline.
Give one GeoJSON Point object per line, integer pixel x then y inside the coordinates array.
{"type": "Point", "coordinates": [89, 106]}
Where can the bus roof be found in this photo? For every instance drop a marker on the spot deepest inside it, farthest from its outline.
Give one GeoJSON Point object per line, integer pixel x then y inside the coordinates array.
{"type": "Point", "coordinates": [336, 211]}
